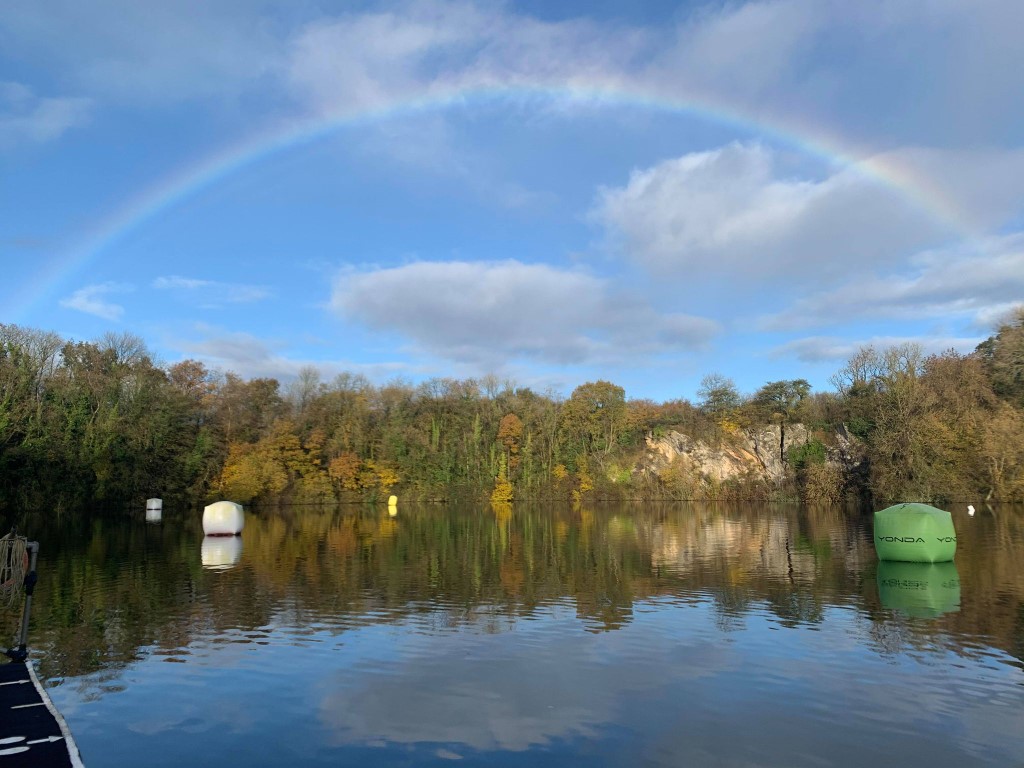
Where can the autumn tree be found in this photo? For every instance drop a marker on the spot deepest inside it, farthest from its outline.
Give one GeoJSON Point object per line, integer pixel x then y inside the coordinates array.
{"type": "Point", "coordinates": [510, 435]}
{"type": "Point", "coordinates": [1002, 453]}
{"type": "Point", "coordinates": [502, 492]}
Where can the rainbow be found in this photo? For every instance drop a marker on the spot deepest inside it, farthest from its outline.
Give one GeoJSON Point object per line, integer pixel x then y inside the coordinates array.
{"type": "Point", "coordinates": [209, 171]}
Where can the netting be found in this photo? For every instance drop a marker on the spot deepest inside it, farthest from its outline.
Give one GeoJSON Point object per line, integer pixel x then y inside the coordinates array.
{"type": "Point", "coordinates": [13, 567]}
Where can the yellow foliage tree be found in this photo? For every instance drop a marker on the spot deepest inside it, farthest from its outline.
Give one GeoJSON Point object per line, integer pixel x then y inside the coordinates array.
{"type": "Point", "coordinates": [251, 471]}
{"type": "Point", "coordinates": [585, 482]}
{"type": "Point", "coordinates": [502, 493]}
{"type": "Point", "coordinates": [383, 476]}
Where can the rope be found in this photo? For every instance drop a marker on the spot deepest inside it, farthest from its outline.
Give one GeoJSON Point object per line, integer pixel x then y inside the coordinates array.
{"type": "Point", "coordinates": [13, 567]}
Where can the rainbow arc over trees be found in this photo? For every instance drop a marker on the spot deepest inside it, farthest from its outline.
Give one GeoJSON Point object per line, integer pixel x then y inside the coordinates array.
{"type": "Point", "coordinates": [284, 136]}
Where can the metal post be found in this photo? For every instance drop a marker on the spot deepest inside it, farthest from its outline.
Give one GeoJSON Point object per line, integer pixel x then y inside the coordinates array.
{"type": "Point", "coordinates": [20, 653]}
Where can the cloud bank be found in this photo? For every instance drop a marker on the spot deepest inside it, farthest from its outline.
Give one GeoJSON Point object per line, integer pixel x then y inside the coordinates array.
{"type": "Point", "coordinates": [488, 313]}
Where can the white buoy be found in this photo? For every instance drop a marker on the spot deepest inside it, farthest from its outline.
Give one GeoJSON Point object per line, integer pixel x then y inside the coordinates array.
{"type": "Point", "coordinates": [970, 510]}
{"type": "Point", "coordinates": [154, 510]}
{"type": "Point", "coordinates": [223, 518]}
{"type": "Point", "coordinates": [220, 553]}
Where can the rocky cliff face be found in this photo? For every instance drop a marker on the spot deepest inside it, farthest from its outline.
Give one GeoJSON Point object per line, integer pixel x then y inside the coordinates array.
{"type": "Point", "coordinates": [756, 452]}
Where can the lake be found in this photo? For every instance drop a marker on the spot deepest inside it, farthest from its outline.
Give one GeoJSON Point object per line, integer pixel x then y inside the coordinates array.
{"type": "Point", "coordinates": [535, 635]}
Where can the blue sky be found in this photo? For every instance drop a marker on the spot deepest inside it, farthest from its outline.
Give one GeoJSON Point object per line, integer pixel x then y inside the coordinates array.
{"type": "Point", "coordinates": [643, 192]}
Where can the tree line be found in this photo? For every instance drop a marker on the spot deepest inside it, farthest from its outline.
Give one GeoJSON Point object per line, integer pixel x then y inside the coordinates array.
{"type": "Point", "coordinates": [102, 423]}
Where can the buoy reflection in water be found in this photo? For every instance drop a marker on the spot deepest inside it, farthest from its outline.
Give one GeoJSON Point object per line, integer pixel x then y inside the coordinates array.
{"type": "Point", "coordinates": [220, 553]}
{"type": "Point", "coordinates": [919, 590]}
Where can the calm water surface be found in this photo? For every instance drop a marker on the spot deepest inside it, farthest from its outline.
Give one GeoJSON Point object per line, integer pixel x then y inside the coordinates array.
{"type": "Point", "coordinates": [705, 636]}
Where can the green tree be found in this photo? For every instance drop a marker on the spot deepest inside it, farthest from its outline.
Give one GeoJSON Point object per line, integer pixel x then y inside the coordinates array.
{"type": "Point", "coordinates": [1003, 355]}
{"type": "Point", "coordinates": [593, 417]}
{"type": "Point", "coordinates": [718, 396]}
{"type": "Point", "coordinates": [779, 401]}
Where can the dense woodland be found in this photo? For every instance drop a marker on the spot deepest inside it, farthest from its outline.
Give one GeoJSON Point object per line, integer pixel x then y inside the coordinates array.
{"type": "Point", "coordinates": [102, 423]}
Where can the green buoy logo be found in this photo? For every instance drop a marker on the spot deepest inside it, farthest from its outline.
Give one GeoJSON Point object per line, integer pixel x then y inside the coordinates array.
{"type": "Point", "coordinates": [916, 539]}
{"type": "Point", "coordinates": [901, 539]}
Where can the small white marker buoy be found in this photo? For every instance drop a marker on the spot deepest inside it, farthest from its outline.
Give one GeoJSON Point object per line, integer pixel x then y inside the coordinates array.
{"type": "Point", "coordinates": [970, 510]}
{"type": "Point", "coordinates": [154, 510]}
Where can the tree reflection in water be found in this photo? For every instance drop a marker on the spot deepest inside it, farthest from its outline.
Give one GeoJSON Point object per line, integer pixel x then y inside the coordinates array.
{"type": "Point", "coordinates": [114, 589]}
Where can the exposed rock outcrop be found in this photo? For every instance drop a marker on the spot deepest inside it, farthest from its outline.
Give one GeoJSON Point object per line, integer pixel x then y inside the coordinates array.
{"type": "Point", "coordinates": [754, 452]}
{"type": "Point", "coordinates": [719, 463]}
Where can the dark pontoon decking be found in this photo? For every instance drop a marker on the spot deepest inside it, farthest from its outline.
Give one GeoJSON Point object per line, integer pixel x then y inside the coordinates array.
{"type": "Point", "coordinates": [32, 732]}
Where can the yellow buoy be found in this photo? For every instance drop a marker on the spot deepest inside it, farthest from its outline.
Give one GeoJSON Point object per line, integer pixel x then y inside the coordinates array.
{"type": "Point", "coordinates": [392, 501]}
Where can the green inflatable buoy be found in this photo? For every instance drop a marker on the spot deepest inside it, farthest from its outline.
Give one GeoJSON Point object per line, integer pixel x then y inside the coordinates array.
{"type": "Point", "coordinates": [919, 590]}
{"type": "Point", "coordinates": [915, 533]}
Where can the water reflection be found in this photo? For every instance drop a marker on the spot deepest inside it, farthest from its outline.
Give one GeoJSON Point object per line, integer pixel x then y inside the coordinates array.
{"type": "Point", "coordinates": [346, 567]}
{"type": "Point", "coordinates": [919, 589]}
{"type": "Point", "coordinates": [219, 553]}
{"type": "Point", "coordinates": [478, 629]}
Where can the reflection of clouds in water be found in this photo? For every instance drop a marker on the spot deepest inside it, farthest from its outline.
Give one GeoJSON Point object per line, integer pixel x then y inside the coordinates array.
{"type": "Point", "coordinates": [972, 714]}
{"type": "Point", "coordinates": [183, 723]}
{"type": "Point", "coordinates": [511, 692]}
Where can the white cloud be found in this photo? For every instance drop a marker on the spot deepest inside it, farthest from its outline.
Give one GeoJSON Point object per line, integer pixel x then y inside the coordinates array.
{"type": "Point", "coordinates": [744, 49]}
{"type": "Point", "coordinates": [974, 282]}
{"type": "Point", "coordinates": [250, 356]}
{"type": "Point", "coordinates": [365, 60]}
{"type": "Point", "coordinates": [26, 117]}
{"type": "Point", "coordinates": [874, 70]}
{"type": "Point", "coordinates": [491, 313]}
{"type": "Point", "coordinates": [983, 187]}
{"type": "Point", "coordinates": [827, 349]}
{"type": "Point", "coordinates": [822, 67]}
{"type": "Point", "coordinates": [212, 293]}
{"type": "Point", "coordinates": [174, 282]}
{"type": "Point", "coordinates": [989, 319]}
{"type": "Point", "coordinates": [728, 212]}
{"type": "Point", "coordinates": [90, 300]}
